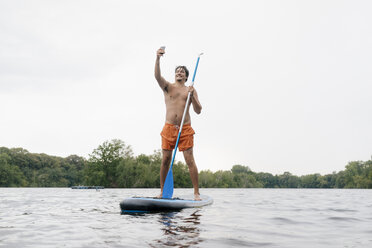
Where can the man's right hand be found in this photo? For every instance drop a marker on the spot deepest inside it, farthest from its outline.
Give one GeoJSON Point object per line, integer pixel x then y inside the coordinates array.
{"type": "Point", "coordinates": [160, 52]}
{"type": "Point", "coordinates": [161, 81]}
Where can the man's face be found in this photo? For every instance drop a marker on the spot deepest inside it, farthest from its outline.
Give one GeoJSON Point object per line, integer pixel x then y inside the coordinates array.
{"type": "Point", "coordinates": [181, 75]}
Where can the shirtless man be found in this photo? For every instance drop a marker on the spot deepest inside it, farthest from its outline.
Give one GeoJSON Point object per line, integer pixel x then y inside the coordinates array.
{"type": "Point", "coordinates": [175, 95]}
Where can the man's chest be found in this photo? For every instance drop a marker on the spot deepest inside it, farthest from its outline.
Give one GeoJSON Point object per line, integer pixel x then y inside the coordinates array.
{"type": "Point", "coordinates": [177, 94]}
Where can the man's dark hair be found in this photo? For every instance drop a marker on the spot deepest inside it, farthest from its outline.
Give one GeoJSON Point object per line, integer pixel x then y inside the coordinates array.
{"type": "Point", "coordinates": [184, 68]}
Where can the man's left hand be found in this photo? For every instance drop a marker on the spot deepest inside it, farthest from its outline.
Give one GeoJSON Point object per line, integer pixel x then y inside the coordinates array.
{"type": "Point", "coordinates": [191, 90]}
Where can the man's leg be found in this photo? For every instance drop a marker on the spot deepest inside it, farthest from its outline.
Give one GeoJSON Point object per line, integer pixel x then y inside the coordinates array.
{"type": "Point", "coordinates": [167, 155]}
{"type": "Point", "coordinates": [193, 170]}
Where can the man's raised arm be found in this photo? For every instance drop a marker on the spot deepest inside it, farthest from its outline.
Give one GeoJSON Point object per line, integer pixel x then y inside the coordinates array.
{"type": "Point", "coordinates": [161, 81]}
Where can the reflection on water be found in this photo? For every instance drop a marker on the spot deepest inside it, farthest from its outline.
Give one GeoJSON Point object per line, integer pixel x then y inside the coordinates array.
{"type": "Point", "coordinates": [179, 230]}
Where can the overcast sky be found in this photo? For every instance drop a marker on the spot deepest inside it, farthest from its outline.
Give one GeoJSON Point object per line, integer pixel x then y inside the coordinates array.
{"type": "Point", "coordinates": [284, 85]}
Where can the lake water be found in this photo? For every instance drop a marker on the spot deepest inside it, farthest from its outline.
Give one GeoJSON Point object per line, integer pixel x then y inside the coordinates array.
{"type": "Point", "coordinates": [63, 217]}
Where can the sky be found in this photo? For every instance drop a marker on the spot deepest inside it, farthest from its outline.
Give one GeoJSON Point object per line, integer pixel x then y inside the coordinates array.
{"type": "Point", "coordinates": [284, 85]}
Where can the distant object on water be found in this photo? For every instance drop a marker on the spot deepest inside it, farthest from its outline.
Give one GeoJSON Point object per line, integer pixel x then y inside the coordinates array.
{"type": "Point", "coordinates": [87, 187]}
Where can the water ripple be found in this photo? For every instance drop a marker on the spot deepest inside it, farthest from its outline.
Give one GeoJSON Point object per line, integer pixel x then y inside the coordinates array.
{"type": "Point", "coordinates": [347, 219]}
{"type": "Point", "coordinates": [60, 217]}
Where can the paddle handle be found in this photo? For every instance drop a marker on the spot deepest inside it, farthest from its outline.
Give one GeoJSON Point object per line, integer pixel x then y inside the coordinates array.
{"type": "Point", "coordinates": [196, 68]}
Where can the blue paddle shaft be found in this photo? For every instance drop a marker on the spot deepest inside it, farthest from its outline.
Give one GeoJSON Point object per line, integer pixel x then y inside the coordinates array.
{"type": "Point", "coordinates": [168, 184]}
{"type": "Point", "coordinates": [196, 68]}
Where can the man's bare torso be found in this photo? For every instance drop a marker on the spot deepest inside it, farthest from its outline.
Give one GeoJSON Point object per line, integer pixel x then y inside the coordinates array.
{"type": "Point", "coordinates": [175, 96]}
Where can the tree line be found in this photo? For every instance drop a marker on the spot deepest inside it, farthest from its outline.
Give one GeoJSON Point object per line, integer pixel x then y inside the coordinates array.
{"type": "Point", "coordinates": [112, 164]}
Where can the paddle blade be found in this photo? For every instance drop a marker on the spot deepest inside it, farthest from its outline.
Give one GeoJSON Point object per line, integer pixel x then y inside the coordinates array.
{"type": "Point", "coordinates": [168, 185]}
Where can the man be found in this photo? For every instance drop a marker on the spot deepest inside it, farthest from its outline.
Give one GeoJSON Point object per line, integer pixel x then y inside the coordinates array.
{"type": "Point", "coordinates": [175, 95]}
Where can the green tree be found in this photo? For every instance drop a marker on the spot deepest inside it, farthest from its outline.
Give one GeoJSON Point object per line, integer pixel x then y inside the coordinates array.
{"type": "Point", "coordinates": [358, 174]}
{"type": "Point", "coordinates": [207, 179]}
{"type": "Point", "coordinates": [267, 180]}
{"type": "Point", "coordinates": [104, 160]}
{"type": "Point", "coordinates": [340, 180]}
{"type": "Point", "coordinates": [287, 180]}
{"type": "Point", "coordinates": [181, 175]}
{"type": "Point", "coordinates": [10, 175]}
{"type": "Point", "coordinates": [236, 169]}
{"type": "Point", "coordinates": [316, 181]}
{"type": "Point", "coordinates": [224, 179]}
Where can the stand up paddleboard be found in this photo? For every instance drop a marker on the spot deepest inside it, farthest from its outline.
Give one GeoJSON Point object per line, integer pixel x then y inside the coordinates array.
{"type": "Point", "coordinates": [149, 204]}
{"type": "Point", "coordinates": [167, 203]}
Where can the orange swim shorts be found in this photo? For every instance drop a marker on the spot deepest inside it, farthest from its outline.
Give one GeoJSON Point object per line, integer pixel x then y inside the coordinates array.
{"type": "Point", "coordinates": [169, 137]}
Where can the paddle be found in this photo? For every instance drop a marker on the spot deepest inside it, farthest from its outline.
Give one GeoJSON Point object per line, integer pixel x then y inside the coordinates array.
{"type": "Point", "coordinates": [168, 184]}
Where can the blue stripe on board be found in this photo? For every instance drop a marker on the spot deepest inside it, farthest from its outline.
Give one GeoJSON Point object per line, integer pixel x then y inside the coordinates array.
{"type": "Point", "coordinates": [134, 211]}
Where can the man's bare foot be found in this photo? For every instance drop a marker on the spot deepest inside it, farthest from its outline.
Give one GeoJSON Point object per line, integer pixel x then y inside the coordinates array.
{"type": "Point", "coordinates": [197, 197]}
{"type": "Point", "coordinates": [159, 196]}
